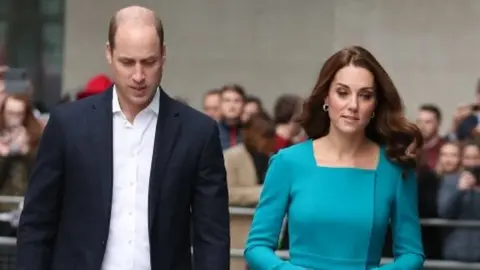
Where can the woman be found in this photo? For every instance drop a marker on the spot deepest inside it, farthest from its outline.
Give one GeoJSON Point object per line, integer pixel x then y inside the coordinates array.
{"type": "Point", "coordinates": [20, 134]}
{"type": "Point", "coordinates": [459, 198]}
{"type": "Point", "coordinates": [247, 163]}
{"type": "Point", "coordinates": [341, 187]}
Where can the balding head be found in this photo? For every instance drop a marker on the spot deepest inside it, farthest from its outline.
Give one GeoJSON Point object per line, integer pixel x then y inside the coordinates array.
{"type": "Point", "coordinates": [134, 16]}
{"type": "Point", "coordinates": [136, 53]}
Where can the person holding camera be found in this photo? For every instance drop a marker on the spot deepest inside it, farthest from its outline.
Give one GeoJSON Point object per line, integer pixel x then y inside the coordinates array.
{"type": "Point", "coordinates": [459, 198]}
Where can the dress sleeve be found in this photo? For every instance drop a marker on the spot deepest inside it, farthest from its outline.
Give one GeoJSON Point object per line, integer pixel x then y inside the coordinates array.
{"type": "Point", "coordinates": [407, 240]}
{"type": "Point", "coordinates": [267, 221]}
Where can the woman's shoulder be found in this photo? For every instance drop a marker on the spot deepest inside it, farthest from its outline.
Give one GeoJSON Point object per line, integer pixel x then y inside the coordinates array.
{"type": "Point", "coordinates": [296, 151]}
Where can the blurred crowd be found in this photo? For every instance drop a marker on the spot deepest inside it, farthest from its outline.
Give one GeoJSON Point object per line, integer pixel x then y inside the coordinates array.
{"type": "Point", "coordinates": [448, 166]}
{"type": "Point", "coordinates": [448, 172]}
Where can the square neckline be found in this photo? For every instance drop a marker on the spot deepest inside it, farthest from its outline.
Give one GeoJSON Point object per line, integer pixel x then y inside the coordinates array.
{"type": "Point", "coordinates": [314, 161]}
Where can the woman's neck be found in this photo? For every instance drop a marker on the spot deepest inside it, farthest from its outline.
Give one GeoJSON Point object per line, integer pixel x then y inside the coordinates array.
{"type": "Point", "coordinates": [342, 145]}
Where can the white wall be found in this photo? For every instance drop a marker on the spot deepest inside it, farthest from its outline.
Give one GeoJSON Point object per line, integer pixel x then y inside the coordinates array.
{"type": "Point", "coordinates": [429, 47]}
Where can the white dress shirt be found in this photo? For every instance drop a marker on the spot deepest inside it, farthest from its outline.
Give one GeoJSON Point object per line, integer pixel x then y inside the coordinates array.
{"type": "Point", "coordinates": [128, 246]}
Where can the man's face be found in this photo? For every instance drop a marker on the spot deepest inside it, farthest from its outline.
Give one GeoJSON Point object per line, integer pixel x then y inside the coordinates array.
{"type": "Point", "coordinates": [428, 124]}
{"type": "Point", "coordinates": [211, 106]}
{"type": "Point", "coordinates": [231, 105]}
{"type": "Point", "coordinates": [137, 63]}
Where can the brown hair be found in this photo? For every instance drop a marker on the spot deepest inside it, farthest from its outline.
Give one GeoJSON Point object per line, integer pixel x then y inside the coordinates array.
{"type": "Point", "coordinates": [286, 108]}
{"type": "Point", "coordinates": [234, 88]}
{"type": "Point", "coordinates": [259, 134]}
{"type": "Point", "coordinates": [33, 126]}
{"type": "Point", "coordinates": [389, 127]}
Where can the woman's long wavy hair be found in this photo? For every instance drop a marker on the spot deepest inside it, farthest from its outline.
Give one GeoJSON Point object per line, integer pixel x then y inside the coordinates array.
{"type": "Point", "coordinates": [388, 128]}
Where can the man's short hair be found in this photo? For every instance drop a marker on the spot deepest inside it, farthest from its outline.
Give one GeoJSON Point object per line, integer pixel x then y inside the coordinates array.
{"type": "Point", "coordinates": [433, 109]}
{"type": "Point", "coordinates": [234, 88]}
{"type": "Point", "coordinates": [211, 92]}
{"type": "Point", "coordinates": [113, 27]}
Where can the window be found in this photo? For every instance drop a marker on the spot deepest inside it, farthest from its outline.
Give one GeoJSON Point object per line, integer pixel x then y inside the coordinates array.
{"type": "Point", "coordinates": [36, 44]}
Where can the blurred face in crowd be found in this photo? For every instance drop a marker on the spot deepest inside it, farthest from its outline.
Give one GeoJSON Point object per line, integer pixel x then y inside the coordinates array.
{"type": "Point", "coordinates": [137, 63]}
{"type": "Point", "coordinates": [471, 156]}
{"type": "Point", "coordinates": [231, 105]}
{"type": "Point", "coordinates": [428, 124]}
{"type": "Point", "coordinates": [351, 100]}
{"type": "Point", "coordinates": [449, 158]}
{"type": "Point", "coordinates": [211, 106]}
{"type": "Point", "coordinates": [249, 109]}
{"type": "Point", "coordinates": [14, 112]}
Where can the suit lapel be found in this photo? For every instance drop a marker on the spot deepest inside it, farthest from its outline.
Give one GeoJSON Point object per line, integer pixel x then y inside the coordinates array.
{"type": "Point", "coordinates": [168, 125]}
{"type": "Point", "coordinates": [101, 127]}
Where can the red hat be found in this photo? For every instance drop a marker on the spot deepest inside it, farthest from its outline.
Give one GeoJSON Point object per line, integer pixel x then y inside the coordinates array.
{"type": "Point", "coordinates": [95, 85]}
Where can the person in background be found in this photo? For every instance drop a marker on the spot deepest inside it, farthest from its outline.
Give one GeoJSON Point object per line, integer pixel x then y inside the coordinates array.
{"type": "Point", "coordinates": [253, 105]}
{"type": "Point", "coordinates": [429, 119]}
{"type": "Point", "coordinates": [20, 133]}
{"type": "Point", "coordinates": [352, 179]}
{"type": "Point", "coordinates": [211, 104]}
{"type": "Point", "coordinates": [285, 113]}
{"type": "Point", "coordinates": [247, 162]}
{"type": "Point", "coordinates": [429, 182]}
{"type": "Point", "coordinates": [459, 199]}
{"type": "Point", "coordinates": [98, 84]}
{"type": "Point", "coordinates": [232, 100]}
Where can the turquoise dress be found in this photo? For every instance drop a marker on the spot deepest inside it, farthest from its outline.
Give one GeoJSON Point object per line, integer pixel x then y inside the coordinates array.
{"type": "Point", "coordinates": [337, 216]}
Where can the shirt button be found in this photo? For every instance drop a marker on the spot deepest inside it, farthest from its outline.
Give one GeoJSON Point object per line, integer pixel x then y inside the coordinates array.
{"type": "Point", "coordinates": [131, 184]}
{"type": "Point", "coordinates": [129, 241]}
{"type": "Point", "coordinates": [129, 213]}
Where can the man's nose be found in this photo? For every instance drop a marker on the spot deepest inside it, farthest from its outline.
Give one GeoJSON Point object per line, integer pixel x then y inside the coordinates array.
{"type": "Point", "coordinates": [139, 74]}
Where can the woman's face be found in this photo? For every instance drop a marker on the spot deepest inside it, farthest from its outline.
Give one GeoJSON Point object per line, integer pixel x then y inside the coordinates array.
{"type": "Point", "coordinates": [14, 112]}
{"type": "Point", "coordinates": [351, 99]}
{"type": "Point", "coordinates": [471, 156]}
{"type": "Point", "coordinates": [249, 109]}
{"type": "Point", "coordinates": [449, 158]}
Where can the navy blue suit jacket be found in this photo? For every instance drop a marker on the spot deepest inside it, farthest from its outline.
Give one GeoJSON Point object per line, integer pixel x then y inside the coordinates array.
{"type": "Point", "coordinates": [66, 215]}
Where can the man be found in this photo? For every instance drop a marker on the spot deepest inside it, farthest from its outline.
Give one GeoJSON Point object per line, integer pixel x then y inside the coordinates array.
{"type": "Point", "coordinates": [121, 176]}
{"type": "Point", "coordinates": [232, 100]}
{"type": "Point", "coordinates": [428, 121]}
{"type": "Point", "coordinates": [211, 104]}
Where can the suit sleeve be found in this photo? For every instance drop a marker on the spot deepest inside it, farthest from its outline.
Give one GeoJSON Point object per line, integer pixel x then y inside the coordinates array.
{"type": "Point", "coordinates": [268, 219]}
{"type": "Point", "coordinates": [39, 218]}
{"type": "Point", "coordinates": [407, 239]}
{"type": "Point", "coordinates": [210, 213]}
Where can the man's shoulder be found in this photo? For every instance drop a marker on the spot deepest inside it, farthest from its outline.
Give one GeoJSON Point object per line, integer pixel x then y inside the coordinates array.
{"type": "Point", "coordinates": [196, 120]}
{"type": "Point", "coordinates": [73, 110]}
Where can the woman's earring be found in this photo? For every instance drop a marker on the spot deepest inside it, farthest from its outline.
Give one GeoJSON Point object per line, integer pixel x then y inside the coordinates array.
{"type": "Point", "coordinates": [373, 115]}
{"type": "Point", "coordinates": [325, 107]}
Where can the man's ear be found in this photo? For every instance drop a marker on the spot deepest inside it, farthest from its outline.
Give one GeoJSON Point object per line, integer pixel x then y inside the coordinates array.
{"type": "Point", "coordinates": [108, 52]}
{"type": "Point", "coordinates": [164, 53]}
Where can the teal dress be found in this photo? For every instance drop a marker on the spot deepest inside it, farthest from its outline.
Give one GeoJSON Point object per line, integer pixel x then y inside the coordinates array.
{"type": "Point", "coordinates": [337, 216]}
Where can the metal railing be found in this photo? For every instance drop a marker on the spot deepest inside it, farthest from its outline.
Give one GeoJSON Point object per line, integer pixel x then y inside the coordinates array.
{"type": "Point", "coordinates": [8, 244]}
{"type": "Point", "coordinates": [430, 222]}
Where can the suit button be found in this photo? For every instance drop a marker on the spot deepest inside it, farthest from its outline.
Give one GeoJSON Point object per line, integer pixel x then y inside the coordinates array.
{"type": "Point", "coordinates": [103, 243]}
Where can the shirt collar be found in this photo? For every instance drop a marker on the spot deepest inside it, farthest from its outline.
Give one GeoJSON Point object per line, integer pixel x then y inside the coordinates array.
{"type": "Point", "coordinates": [153, 106]}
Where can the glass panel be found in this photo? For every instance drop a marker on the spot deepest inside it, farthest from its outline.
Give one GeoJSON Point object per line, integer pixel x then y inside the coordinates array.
{"type": "Point", "coordinates": [3, 32]}
{"type": "Point", "coordinates": [52, 44]}
{"type": "Point", "coordinates": [50, 7]}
